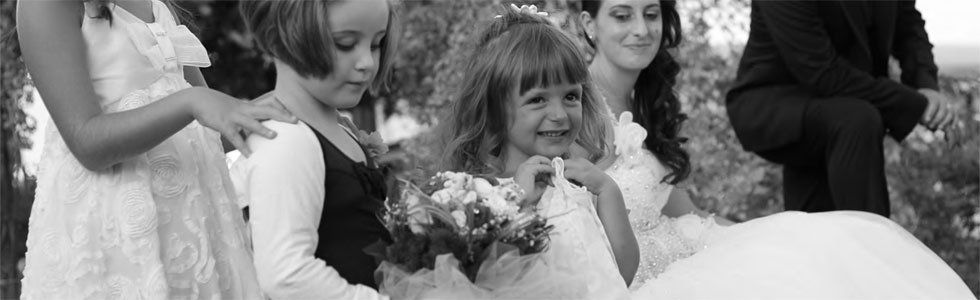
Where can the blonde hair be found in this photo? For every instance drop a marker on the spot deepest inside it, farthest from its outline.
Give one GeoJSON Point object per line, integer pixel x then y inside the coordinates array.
{"type": "Point", "coordinates": [514, 49]}
{"type": "Point", "coordinates": [297, 32]}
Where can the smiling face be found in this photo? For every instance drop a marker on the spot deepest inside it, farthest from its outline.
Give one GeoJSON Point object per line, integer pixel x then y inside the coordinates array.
{"type": "Point", "coordinates": [358, 29]}
{"type": "Point", "coordinates": [627, 33]}
{"type": "Point", "coordinates": [543, 121]}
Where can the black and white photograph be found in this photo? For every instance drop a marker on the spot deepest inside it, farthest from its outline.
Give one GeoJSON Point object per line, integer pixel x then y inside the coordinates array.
{"type": "Point", "coordinates": [490, 149]}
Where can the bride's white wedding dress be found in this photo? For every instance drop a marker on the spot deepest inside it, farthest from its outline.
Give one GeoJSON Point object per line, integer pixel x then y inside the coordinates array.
{"type": "Point", "coordinates": [790, 255]}
{"type": "Point", "coordinates": [638, 173]}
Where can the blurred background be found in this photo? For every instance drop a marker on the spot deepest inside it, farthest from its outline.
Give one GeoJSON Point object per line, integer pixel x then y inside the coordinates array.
{"type": "Point", "coordinates": [934, 185]}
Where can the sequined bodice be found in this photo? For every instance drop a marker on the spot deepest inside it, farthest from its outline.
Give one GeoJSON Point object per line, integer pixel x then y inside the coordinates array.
{"type": "Point", "coordinates": [639, 175]}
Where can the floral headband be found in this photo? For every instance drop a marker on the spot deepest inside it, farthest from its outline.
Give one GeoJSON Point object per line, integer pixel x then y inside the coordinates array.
{"type": "Point", "coordinates": [526, 9]}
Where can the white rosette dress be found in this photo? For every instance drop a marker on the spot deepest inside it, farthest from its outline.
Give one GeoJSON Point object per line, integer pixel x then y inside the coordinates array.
{"type": "Point", "coordinates": [161, 225]}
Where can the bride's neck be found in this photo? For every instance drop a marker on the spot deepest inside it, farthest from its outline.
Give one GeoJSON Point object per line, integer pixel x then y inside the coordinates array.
{"type": "Point", "coordinates": [301, 103]}
{"type": "Point", "coordinates": [615, 83]}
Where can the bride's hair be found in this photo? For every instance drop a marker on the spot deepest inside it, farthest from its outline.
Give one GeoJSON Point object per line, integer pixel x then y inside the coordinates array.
{"type": "Point", "coordinates": [525, 51]}
{"type": "Point", "coordinates": [656, 106]}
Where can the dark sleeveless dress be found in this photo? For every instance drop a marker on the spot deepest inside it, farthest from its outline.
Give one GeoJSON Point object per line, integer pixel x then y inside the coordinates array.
{"type": "Point", "coordinates": [350, 221]}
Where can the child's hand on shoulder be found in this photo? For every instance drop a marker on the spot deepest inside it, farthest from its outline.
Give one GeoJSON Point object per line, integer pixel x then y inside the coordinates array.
{"type": "Point", "coordinates": [587, 174]}
{"type": "Point", "coordinates": [532, 176]}
{"type": "Point", "coordinates": [230, 117]}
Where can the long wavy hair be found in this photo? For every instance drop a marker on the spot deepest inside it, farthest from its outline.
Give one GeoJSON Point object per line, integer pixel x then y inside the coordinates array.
{"type": "Point", "coordinates": [655, 104]}
{"type": "Point", "coordinates": [514, 50]}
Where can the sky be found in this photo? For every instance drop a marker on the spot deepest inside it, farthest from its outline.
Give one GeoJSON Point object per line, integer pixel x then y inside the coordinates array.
{"type": "Point", "coordinates": [952, 25]}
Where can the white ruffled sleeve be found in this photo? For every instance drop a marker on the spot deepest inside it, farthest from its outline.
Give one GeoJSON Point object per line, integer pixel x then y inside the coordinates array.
{"type": "Point", "coordinates": [283, 181]}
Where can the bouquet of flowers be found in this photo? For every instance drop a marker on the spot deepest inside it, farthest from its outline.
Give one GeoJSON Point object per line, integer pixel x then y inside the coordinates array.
{"type": "Point", "coordinates": [465, 237]}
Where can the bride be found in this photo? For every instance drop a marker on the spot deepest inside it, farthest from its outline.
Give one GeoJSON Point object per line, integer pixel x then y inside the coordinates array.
{"type": "Point", "coordinates": [835, 255]}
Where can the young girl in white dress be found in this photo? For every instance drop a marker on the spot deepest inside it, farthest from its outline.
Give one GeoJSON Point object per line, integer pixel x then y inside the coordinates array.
{"type": "Point", "coordinates": [133, 196]}
{"type": "Point", "coordinates": [525, 99]}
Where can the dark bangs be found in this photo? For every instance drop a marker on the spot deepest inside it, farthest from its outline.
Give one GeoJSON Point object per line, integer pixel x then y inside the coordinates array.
{"type": "Point", "coordinates": [545, 56]}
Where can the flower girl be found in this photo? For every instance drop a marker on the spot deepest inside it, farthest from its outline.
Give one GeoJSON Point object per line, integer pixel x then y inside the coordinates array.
{"type": "Point", "coordinates": [525, 98]}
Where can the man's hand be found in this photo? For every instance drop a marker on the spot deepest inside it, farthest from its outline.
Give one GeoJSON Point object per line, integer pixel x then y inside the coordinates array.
{"type": "Point", "coordinates": [938, 115]}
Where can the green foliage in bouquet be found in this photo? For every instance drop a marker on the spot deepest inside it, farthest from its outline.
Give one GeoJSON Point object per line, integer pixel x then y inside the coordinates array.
{"type": "Point", "coordinates": [469, 217]}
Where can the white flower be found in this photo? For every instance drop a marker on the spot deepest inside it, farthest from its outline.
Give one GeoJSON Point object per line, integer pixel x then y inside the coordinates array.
{"type": "Point", "coordinates": [524, 9]}
{"type": "Point", "coordinates": [417, 218]}
{"type": "Point", "coordinates": [470, 197]}
{"type": "Point", "coordinates": [442, 196]}
{"type": "Point", "coordinates": [411, 200]}
{"type": "Point", "coordinates": [482, 187]}
{"type": "Point", "coordinates": [510, 190]}
{"type": "Point", "coordinates": [455, 181]}
{"type": "Point", "coordinates": [500, 207]}
{"type": "Point", "coordinates": [690, 226]}
{"type": "Point", "coordinates": [629, 135]}
{"type": "Point", "coordinates": [460, 218]}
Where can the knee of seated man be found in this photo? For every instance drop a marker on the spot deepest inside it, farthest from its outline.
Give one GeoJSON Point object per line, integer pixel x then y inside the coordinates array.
{"type": "Point", "coordinates": [853, 117]}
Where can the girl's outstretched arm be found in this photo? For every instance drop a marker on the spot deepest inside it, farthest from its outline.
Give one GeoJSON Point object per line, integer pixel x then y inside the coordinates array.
{"type": "Point", "coordinates": [55, 54]}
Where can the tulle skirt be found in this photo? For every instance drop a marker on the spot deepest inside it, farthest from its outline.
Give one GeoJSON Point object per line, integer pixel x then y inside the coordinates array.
{"type": "Point", "coordinates": [795, 255]}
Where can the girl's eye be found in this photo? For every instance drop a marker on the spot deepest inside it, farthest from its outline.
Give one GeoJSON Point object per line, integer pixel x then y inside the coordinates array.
{"type": "Point", "coordinates": [345, 42]}
{"type": "Point", "coordinates": [344, 46]}
{"type": "Point", "coordinates": [574, 97]}
{"type": "Point", "coordinates": [536, 100]}
{"type": "Point", "coordinates": [378, 42]}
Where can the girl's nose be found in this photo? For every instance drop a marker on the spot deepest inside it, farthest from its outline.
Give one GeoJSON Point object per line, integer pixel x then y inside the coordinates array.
{"type": "Point", "coordinates": [556, 111]}
{"type": "Point", "coordinates": [365, 60]}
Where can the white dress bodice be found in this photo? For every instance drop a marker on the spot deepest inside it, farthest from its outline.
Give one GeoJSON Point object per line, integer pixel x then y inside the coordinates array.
{"type": "Point", "coordinates": [640, 174]}
{"type": "Point", "coordinates": [578, 243]}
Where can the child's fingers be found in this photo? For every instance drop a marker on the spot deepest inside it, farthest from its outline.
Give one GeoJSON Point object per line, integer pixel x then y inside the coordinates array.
{"type": "Point", "coordinates": [536, 170]}
{"type": "Point", "coordinates": [538, 159]}
{"type": "Point", "coordinates": [251, 125]}
{"type": "Point", "coordinates": [236, 140]}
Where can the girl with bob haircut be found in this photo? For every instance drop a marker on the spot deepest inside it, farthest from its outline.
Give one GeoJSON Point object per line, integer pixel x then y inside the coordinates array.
{"type": "Point", "coordinates": [525, 99]}
{"type": "Point", "coordinates": [314, 192]}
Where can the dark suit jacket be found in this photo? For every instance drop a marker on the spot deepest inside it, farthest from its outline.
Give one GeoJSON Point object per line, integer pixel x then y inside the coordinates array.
{"type": "Point", "coordinates": [802, 51]}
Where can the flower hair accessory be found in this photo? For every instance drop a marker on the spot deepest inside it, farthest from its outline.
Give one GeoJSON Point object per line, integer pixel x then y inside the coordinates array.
{"type": "Point", "coordinates": [526, 9]}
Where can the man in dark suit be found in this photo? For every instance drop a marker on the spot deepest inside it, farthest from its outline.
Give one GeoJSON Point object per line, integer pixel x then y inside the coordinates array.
{"type": "Point", "coordinates": [813, 94]}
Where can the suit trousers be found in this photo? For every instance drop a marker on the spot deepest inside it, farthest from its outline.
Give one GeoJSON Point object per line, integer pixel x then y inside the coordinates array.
{"type": "Point", "coordinates": [838, 163]}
